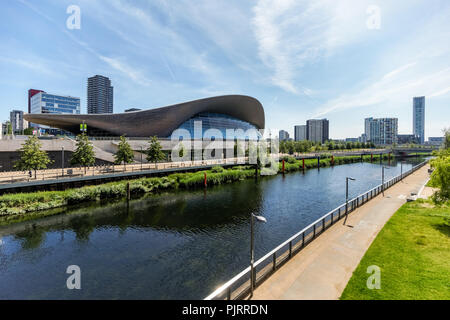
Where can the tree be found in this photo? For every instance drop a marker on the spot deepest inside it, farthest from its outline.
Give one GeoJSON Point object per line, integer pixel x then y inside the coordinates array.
{"type": "Point", "coordinates": [28, 131]}
{"type": "Point", "coordinates": [238, 150]}
{"type": "Point", "coordinates": [181, 151]}
{"type": "Point", "coordinates": [32, 157]}
{"type": "Point", "coordinates": [124, 153]}
{"type": "Point", "coordinates": [447, 138]}
{"type": "Point", "coordinates": [154, 151]}
{"type": "Point", "coordinates": [84, 154]}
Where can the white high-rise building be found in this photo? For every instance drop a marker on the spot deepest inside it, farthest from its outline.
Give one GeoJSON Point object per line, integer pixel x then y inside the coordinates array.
{"type": "Point", "coordinates": [18, 124]}
{"type": "Point", "coordinates": [419, 118]}
{"type": "Point", "coordinates": [382, 131]}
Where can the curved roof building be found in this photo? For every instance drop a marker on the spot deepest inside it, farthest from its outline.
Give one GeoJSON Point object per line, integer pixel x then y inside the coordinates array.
{"type": "Point", "coordinates": [223, 112]}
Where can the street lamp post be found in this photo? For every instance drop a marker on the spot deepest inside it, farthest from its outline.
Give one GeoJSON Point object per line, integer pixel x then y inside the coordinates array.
{"type": "Point", "coordinates": [62, 160]}
{"type": "Point", "coordinates": [346, 197]}
{"type": "Point", "coordinates": [382, 178]}
{"type": "Point", "coordinates": [141, 158]}
{"type": "Point", "coordinates": [252, 254]}
{"type": "Point", "coordinates": [401, 170]}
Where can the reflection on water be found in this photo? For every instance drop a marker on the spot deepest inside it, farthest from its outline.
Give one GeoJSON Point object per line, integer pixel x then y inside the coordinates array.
{"type": "Point", "coordinates": [178, 245]}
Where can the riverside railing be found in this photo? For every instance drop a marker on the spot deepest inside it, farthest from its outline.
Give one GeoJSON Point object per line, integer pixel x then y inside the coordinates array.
{"type": "Point", "coordinates": [239, 286]}
{"type": "Point", "coordinates": [10, 177]}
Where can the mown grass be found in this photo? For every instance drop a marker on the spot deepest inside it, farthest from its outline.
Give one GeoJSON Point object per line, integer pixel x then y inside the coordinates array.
{"type": "Point", "coordinates": [413, 253]}
{"type": "Point", "coordinates": [26, 203]}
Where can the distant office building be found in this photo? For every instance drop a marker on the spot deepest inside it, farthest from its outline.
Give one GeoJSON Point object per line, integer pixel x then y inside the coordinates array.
{"type": "Point", "coordinates": [317, 130]}
{"type": "Point", "coordinates": [44, 102]}
{"type": "Point", "coordinates": [100, 95]}
{"type": "Point", "coordinates": [31, 93]}
{"type": "Point", "coordinates": [436, 141]}
{"type": "Point", "coordinates": [6, 128]}
{"type": "Point", "coordinates": [283, 135]}
{"type": "Point", "coordinates": [363, 138]}
{"type": "Point", "coordinates": [352, 140]}
{"type": "Point", "coordinates": [406, 139]}
{"type": "Point", "coordinates": [300, 133]}
{"type": "Point", "coordinates": [18, 124]}
{"type": "Point", "coordinates": [382, 131]}
{"type": "Point", "coordinates": [419, 118]}
{"type": "Point", "coordinates": [132, 109]}
{"type": "Point", "coordinates": [367, 123]}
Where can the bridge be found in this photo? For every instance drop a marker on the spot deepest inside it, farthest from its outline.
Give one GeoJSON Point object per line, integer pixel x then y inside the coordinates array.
{"type": "Point", "coordinates": [404, 151]}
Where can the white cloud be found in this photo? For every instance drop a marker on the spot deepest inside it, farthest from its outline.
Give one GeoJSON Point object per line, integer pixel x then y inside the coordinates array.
{"type": "Point", "coordinates": [399, 70]}
{"type": "Point", "coordinates": [291, 34]}
{"type": "Point", "coordinates": [386, 91]}
{"type": "Point", "coordinates": [131, 73]}
{"type": "Point", "coordinates": [439, 93]}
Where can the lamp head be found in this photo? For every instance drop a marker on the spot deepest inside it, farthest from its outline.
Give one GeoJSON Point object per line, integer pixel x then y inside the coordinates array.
{"type": "Point", "coordinates": [259, 218]}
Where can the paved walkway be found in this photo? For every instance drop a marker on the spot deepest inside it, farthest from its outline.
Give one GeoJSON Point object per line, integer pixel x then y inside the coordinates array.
{"type": "Point", "coordinates": [323, 268]}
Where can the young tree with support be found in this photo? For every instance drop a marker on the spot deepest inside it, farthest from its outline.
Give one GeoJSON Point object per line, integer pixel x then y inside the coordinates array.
{"type": "Point", "coordinates": [32, 157]}
{"type": "Point", "coordinates": [124, 153]}
{"type": "Point", "coordinates": [154, 151]}
{"type": "Point", "coordinates": [84, 154]}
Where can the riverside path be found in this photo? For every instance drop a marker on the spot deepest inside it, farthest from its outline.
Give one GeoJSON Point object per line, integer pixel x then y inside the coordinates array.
{"type": "Point", "coordinates": [323, 268]}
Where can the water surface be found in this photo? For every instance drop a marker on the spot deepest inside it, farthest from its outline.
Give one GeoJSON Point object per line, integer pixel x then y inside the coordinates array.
{"type": "Point", "coordinates": [178, 245]}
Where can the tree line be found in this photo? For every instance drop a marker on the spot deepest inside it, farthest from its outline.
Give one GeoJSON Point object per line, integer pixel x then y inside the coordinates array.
{"type": "Point", "coordinates": [310, 146]}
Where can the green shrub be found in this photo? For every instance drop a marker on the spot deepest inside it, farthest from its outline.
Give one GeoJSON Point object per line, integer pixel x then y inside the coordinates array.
{"type": "Point", "coordinates": [217, 169]}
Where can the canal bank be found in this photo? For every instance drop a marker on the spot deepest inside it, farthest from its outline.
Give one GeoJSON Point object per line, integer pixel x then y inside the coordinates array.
{"type": "Point", "coordinates": [170, 245]}
{"type": "Point", "coordinates": [17, 205]}
{"type": "Point", "coordinates": [322, 270]}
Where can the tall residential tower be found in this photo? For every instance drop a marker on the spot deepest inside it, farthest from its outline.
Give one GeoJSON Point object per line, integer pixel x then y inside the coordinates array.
{"type": "Point", "coordinates": [382, 131]}
{"type": "Point", "coordinates": [419, 118]}
{"type": "Point", "coordinates": [100, 95]}
{"type": "Point", "coordinates": [318, 130]}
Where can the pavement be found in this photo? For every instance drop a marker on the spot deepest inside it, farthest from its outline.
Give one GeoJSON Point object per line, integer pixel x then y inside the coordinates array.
{"type": "Point", "coordinates": [322, 270]}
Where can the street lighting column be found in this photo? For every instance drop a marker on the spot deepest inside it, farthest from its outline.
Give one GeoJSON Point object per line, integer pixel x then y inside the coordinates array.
{"type": "Point", "coordinates": [252, 254]}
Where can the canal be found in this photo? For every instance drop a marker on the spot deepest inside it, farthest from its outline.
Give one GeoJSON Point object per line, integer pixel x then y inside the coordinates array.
{"type": "Point", "coordinates": [177, 245]}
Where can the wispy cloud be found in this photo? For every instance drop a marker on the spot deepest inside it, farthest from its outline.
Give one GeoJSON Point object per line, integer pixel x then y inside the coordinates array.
{"type": "Point", "coordinates": [291, 34]}
{"type": "Point", "coordinates": [36, 65]}
{"type": "Point", "coordinates": [131, 73]}
{"type": "Point", "coordinates": [385, 91]}
{"type": "Point", "coordinates": [439, 93]}
{"type": "Point", "coordinates": [118, 65]}
{"type": "Point", "coordinates": [399, 70]}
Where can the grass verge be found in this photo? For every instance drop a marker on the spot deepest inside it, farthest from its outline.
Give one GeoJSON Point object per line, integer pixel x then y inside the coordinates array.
{"type": "Point", "coordinates": [413, 253]}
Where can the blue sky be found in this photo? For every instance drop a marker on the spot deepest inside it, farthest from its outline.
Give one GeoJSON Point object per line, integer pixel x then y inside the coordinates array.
{"type": "Point", "coordinates": [300, 59]}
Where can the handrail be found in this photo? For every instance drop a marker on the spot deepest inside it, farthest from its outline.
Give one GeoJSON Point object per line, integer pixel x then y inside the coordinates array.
{"type": "Point", "coordinates": [227, 286]}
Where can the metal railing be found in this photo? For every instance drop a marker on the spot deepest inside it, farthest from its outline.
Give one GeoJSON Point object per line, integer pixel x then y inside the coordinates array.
{"type": "Point", "coordinates": [10, 177]}
{"type": "Point", "coordinates": [239, 286]}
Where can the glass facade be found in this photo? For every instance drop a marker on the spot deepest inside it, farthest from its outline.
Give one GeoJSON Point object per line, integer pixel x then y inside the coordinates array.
{"type": "Point", "coordinates": [419, 118]}
{"type": "Point", "coordinates": [382, 131]}
{"type": "Point", "coordinates": [221, 122]}
{"type": "Point", "coordinates": [50, 103]}
{"type": "Point", "coordinates": [43, 102]}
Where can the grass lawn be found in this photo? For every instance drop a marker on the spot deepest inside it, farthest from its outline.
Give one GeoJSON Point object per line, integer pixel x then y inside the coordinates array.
{"type": "Point", "coordinates": [413, 253]}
